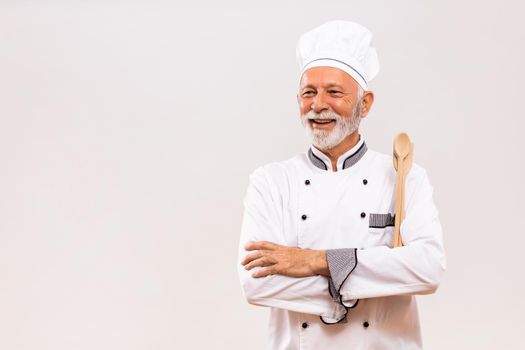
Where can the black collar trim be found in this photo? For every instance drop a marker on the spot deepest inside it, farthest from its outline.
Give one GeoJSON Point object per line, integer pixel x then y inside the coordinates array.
{"type": "Point", "coordinates": [347, 163]}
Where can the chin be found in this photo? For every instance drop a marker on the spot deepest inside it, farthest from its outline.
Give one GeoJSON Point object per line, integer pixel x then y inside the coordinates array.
{"type": "Point", "coordinates": [324, 146]}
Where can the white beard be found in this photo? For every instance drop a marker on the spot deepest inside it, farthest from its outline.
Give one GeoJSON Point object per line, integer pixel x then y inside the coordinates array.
{"type": "Point", "coordinates": [344, 126]}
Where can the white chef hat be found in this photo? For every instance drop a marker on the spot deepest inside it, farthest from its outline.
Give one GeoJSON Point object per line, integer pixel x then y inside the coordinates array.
{"type": "Point", "coordinates": [340, 44]}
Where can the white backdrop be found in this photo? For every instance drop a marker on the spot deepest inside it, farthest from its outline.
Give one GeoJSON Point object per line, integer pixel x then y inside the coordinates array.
{"type": "Point", "coordinates": [128, 131]}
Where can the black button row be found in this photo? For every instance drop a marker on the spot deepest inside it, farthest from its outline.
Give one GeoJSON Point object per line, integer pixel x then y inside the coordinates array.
{"type": "Point", "coordinates": [307, 182]}
{"type": "Point", "coordinates": [304, 216]}
{"type": "Point", "coordinates": [365, 324]}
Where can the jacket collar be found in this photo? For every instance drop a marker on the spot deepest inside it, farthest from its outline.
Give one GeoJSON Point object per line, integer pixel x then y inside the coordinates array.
{"type": "Point", "coordinates": [345, 161]}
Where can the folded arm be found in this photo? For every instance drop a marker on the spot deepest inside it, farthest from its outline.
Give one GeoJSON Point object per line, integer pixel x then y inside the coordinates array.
{"type": "Point", "coordinates": [271, 273]}
{"type": "Point", "coordinates": [415, 268]}
{"type": "Point", "coordinates": [328, 283]}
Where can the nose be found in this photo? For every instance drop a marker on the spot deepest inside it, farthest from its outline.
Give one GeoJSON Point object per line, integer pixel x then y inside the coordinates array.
{"type": "Point", "coordinates": [319, 103]}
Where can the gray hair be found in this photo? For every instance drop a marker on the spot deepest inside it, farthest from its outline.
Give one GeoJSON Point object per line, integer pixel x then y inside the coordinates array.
{"type": "Point", "coordinates": [360, 92]}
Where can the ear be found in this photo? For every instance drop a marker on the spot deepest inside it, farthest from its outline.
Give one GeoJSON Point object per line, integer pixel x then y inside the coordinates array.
{"type": "Point", "coordinates": [367, 102]}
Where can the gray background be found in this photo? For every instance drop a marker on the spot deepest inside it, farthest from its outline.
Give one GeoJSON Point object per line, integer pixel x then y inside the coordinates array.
{"type": "Point", "coordinates": [128, 131]}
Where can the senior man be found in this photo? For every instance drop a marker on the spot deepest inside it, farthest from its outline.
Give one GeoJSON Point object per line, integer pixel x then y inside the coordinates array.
{"type": "Point", "coordinates": [317, 229]}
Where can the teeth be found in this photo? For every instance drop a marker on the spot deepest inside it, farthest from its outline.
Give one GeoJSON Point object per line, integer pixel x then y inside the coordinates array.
{"type": "Point", "coordinates": [322, 121]}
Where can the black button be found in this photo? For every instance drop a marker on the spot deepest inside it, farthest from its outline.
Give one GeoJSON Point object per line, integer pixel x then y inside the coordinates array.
{"type": "Point", "coordinates": [363, 215]}
{"type": "Point", "coordinates": [307, 182]}
{"type": "Point", "coordinates": [366, 324]}
{"type": "Point", "coordinates": [365, 181]}
{"type": "Point", "coordinates": [305, 325]}
{"type": "Point", "coordinates": [304, 217]}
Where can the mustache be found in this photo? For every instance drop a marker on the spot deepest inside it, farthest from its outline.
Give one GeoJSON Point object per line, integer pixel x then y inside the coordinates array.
{"type": "Point", "coordinates": [326, 115]}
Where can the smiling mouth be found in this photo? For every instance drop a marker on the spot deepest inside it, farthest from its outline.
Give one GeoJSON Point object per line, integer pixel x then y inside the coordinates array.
{"type": "Point", "coordinates": [322, 121]}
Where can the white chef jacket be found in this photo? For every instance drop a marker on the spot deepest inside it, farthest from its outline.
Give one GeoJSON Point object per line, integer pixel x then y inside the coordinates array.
{"type": "Point", "coordinates": [302, 203]}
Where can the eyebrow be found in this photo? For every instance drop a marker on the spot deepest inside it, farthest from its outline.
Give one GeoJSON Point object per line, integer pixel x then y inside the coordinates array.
{"type": "Point", "coordinates": [331, 85]}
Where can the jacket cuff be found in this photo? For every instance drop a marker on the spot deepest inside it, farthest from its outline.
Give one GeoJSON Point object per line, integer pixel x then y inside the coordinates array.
{"type": "Point", "coordinates": [341, 263]}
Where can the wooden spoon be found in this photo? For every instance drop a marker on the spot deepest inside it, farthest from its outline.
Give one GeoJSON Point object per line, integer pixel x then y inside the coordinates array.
{"type": "Point", "coordinates": [403, 157]}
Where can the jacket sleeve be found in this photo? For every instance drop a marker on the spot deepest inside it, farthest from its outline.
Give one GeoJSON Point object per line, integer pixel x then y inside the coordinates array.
{"type": "Point", "coordinates": [415, 268]}
{"type": "Point", "coordinates": [263, 221]}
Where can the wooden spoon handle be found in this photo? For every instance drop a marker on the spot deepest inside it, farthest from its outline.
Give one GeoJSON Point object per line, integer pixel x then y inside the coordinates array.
{"type": "Point", "coordinates": [400, 188]}
{"type": "Point", "coordinates": [398, 242]}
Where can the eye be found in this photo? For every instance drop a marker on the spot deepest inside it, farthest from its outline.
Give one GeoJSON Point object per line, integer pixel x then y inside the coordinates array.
{"type": "Point", "coordinates": [308, 93]}
{"type": "Point", "coordinates": [336, 93]}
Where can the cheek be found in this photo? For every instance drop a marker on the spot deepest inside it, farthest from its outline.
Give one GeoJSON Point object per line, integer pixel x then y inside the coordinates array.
{"type": "Point", "coordinates": [304, 106]}
{"type": "Point", "coordinates": [342, 107]}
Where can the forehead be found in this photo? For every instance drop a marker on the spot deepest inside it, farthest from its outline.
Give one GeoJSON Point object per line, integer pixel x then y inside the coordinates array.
{"type": "Point", "coordinates": [327, 76]}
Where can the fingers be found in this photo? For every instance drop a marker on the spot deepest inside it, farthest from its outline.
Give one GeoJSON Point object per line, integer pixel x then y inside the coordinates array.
{"type": "Point", "coordinates": [262, 262]}
{"type": "Point", "coordinates": [266, 257]}
{"type": "Point", "coordinates": [267, 271]}
{"type": "Point", "coordinates": [250, 257]}
{"type": "Point", "coordinates": [261, 245]}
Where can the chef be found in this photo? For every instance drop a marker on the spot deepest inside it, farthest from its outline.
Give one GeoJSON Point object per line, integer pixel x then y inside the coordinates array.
{"type": "Point", "coordinates": [317, 231]}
